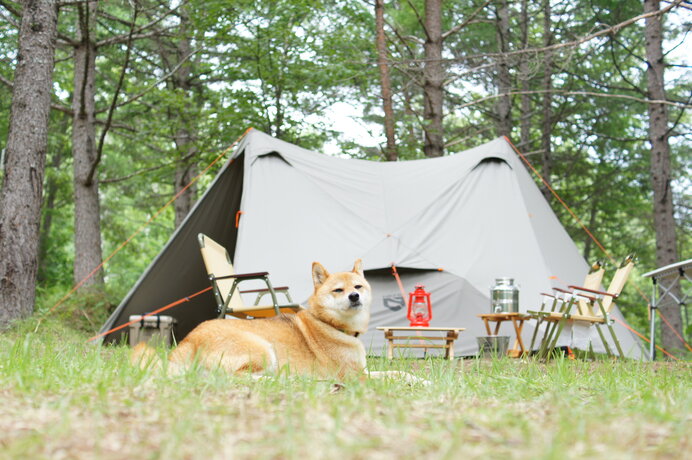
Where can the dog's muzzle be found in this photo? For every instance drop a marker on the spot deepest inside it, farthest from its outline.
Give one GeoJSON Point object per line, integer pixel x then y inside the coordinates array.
{"type": "Point", "coordinates": [354, 298]}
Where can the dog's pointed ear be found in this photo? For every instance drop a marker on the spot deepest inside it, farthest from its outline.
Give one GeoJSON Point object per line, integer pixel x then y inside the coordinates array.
{"type": "Point", "coordinates": [319, 274]}
{"type": "Point", "coordinates": [358, 267]}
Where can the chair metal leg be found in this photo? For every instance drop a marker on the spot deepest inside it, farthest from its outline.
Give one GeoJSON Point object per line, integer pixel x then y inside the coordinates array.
{"type": "Point", "coordinates": [220, 304]}
{"type": "Point", "coordinates": [535, 333]}
{"type": "Point", "coordinates": [604, 341]}
{"type": "Point", "coordinates": [275, 302]}
{"type": "Point", "coordinates": [547, 337]}
{"type": "Point", "coordinates": [559, 326]}
{"type": "Point", "coordinates": [224, 309]}
{"type": "Point", "coordinates": [539, 321]}
{"type": "Point", "coordinates": [609, 323]}
{"type": "Point", "coordinates": [615, 339]}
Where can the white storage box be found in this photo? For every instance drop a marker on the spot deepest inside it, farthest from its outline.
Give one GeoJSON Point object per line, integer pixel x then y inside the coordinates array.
{"type": "Point", "coordinates": [155, 329]}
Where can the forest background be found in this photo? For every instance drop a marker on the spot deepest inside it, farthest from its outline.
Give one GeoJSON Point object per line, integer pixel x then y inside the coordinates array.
{"type": "Point", "coordinates": [147, 93]}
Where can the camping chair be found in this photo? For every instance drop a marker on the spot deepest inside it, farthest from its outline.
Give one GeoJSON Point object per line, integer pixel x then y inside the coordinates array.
{"type": "Point", "coordinates": [595, 311]}
{"type": "Point", "coordinates": [225, 282]}
{"type": "Point", "coordinates": [559, 302]}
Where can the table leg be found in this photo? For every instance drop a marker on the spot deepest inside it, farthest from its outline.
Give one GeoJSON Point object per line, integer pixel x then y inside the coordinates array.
{"type": "Point", "coordinates": [487, 326]}
{"type": "Point", "coordinates": [451, 337]}
{"type": "Point", "coordinates": [518, 326]}
{"type": "Point", "coordinates": [390, 344]}
{"type": "Point", "coordinates": [497, 327]}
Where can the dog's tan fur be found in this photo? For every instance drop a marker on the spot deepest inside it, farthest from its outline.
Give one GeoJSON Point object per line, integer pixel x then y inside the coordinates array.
{"type": "Point", "coordinates": [317, 341]}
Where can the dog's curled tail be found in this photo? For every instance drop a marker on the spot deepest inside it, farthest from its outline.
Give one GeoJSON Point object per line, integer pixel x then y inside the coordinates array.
{"type": "Point", "coordinates": [144, 356]}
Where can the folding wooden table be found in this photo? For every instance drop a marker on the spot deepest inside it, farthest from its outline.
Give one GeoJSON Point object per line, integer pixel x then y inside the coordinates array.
{"type": "Point", "coordinates": [414, 338]}
{"type": "Point", "coordinates": [517, 320]}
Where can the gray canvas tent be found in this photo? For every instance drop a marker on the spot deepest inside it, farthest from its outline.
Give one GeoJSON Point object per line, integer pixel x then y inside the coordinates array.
{"type": "Point", "coordinates": [453, 224]}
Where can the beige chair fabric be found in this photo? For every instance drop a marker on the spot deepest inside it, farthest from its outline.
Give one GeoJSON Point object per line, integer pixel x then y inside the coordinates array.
{"type": "Point", "coordinates": [218, 264]}
{"type": "Point", "coordinates": [616, 285]}
{"type": "Point", "coordinates": [592, 311]}
{"type": "Point", "coordinates": [592, 281]}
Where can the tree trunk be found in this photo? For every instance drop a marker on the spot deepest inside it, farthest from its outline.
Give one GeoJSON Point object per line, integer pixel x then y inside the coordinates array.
{"type": "Point", "coordinates": [525, 122]}
{"type": "Point", "coordinates": [51, 190]}
{"type": "Point", "coordinates": [185, 135]}
{"type": "Point", "coordinates": [25, 156]}
{"type": "Point", "coordinates": [87, 238]}
{"type": "Point", "coordinates": [434, 76]}
{"type": "Point", "coordinates": [593, 213]}
{"type": "Point", "coordinates": [413, 134]}
{"type": "Point", "coordinates": [184, 173]}
{"type": "Point", "coordinates": [390, 152]}
{"type": "Point", "coordinates": [664, 223]}
{"type": "Point", "coordinates": [547, 122]}
{"type": "Point", "coordinates": [504, 82]}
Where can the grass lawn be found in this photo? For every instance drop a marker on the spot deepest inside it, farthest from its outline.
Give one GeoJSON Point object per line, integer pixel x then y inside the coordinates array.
{"type": "Point", "coordinates": [63, 398]}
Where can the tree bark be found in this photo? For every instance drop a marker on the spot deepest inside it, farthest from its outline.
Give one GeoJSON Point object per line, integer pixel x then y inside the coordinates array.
{"type": "Point", "coordinates": [525, 122]}
{"type": "Point", "coordinates": [25, 156]}
{"type": "Point", "coordinates": [51, 190]}
{"type": "Point", "coordinates": [593, 213]}
{"type": "Point", "coordinates": [390, 151]}
{"type": "Point", "coordinates": [547, 122]}
{"type": "Point", "coordinates": [413, 134]}
{"type": "Point", "coordinates": [185, 136]}
{"type": "Point", "coordinates": [87, 238]}
{"type": "Point", "coordinates": [184, 173]}
{"type": "Point", "coordinates": [504, 82]}
{"type": "Point", "coordinates": [664, 223]}
{"type": "Point", "coordinates": [434, 76]}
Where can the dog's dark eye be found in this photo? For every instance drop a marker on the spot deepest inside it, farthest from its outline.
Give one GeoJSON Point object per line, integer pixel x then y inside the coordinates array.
{"type": "Point", "coordinates": [338, 290]}
{"type": "Point", "coordinates": [358, 286]}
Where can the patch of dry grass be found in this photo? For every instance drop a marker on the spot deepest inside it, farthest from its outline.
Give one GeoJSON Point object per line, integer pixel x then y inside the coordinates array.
{"type": "Point", "coordinates": [62, 398]}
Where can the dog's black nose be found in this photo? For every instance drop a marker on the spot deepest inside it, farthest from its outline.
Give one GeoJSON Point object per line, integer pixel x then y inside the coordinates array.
{"type": "Point", "coordinates": [353, 297]}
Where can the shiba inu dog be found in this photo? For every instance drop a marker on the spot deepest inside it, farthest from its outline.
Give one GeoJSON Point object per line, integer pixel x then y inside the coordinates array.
{"type": "Point", "coordinates": [320, 340]}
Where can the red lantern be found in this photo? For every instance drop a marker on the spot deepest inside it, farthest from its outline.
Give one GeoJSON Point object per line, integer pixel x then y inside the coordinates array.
{"type": "Point", "coordinates": [419, 307]}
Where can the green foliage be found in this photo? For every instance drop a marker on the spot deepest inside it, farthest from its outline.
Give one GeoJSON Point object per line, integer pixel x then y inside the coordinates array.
{"type": "Point", "coordinates": [84, 311]}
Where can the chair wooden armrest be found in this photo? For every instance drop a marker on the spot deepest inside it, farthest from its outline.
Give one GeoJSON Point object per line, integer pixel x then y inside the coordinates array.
{"type": "Point", "coordinates": [243, 275]}
{"type": "Point", "coordinates": [587, 297]}
{"type": "Point", "coordinates": [564, 291]}
{"type": "Point", "coordinates": [594, 291]}
{"type": "Point", "coordinates": [254, 291]}
{"type": "Point", "coordinates": [547, 295]}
